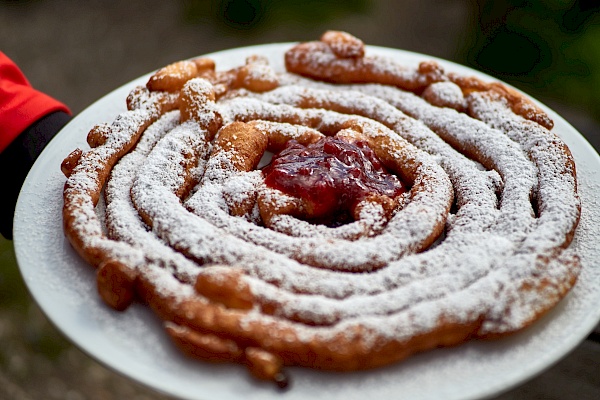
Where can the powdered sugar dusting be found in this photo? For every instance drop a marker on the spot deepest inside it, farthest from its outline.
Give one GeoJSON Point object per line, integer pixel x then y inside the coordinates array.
{"type": "Point", "coordinates": [492, 206]}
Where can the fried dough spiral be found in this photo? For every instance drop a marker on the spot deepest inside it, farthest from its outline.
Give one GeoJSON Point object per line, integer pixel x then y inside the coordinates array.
{"type": "Point", "coordinates": [478, 247]}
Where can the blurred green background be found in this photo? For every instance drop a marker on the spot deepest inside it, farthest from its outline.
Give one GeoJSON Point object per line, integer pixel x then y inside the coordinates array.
{"type": "Point", "coordinates": [79, 51]}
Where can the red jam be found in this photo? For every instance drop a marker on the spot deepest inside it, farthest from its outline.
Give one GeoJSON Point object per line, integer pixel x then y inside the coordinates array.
{"type": "Point", "coordinates": [331, 176]}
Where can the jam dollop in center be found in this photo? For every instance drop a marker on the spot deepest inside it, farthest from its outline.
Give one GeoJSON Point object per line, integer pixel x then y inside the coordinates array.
{"type": "Point", "coordinates": [331, 176]}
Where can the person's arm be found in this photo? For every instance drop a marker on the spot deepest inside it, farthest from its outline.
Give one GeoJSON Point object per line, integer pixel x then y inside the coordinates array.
{"type": "Point", "coordinates": [29, 119]}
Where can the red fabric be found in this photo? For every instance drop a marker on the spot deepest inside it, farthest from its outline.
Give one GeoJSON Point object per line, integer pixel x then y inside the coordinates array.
{"type": "Point", "coordinates": [20, 104]}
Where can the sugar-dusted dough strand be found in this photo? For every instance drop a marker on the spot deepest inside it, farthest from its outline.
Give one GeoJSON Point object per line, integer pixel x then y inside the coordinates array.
{"type": "Point", "coordinates": [479, 246]}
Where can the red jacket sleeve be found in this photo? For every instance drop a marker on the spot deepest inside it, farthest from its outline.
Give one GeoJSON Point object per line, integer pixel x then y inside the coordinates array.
{"type": "Point", "coordinates": [20, 104]}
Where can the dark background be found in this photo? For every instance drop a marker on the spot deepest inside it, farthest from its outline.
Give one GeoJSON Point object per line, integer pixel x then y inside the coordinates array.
{"type": "Point", "coordinates": [77, 51]}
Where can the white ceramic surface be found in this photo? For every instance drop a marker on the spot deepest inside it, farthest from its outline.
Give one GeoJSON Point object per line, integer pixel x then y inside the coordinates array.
{"type": "Point", "coordinates": [134, 344]}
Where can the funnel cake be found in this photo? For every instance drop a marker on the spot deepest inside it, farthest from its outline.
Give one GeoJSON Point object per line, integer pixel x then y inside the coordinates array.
{"type": "Point", "coordinates": [475, 244]}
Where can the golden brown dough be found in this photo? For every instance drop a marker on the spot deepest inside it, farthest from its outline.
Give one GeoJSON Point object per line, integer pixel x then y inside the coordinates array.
{"type": "Point", "coordinates": [237, 270]}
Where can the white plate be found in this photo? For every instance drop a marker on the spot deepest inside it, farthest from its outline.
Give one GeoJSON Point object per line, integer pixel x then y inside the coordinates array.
{"type": "Point", "coordinates": [134, 344]}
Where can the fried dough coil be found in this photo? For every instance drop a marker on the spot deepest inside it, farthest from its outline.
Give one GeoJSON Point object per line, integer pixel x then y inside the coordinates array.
{"type": "Point", "coordinates": [477, 248]}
